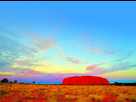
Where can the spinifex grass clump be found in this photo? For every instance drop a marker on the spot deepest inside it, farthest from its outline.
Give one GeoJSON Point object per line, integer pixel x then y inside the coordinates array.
{"type": "Point", "coordinates": [132, 98]}
{"type": "Point", "coordinates": [28, 96]}
{"type": "Point", "coordinates": [9, 95]}
{"type": "Point", "coordinates": [114, 93]}
{"type": "Point", "coordinates": [52, 99]}
{"type": "Point", "coordinates": [96, 98]}
{"type": "Point", "coordinates": [120, 99]}
{"type": "Point", "coordinates": [70, 97]}
{"type": "Point", "coordinates": [3, 91]}
{"type": "Point", "coordinates": [83, 99]}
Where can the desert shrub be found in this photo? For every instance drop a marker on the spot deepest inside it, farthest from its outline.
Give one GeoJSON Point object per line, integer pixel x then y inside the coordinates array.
{"type": "Point", "coordinates": [16, 99]}
{"type": "Point", "coordinates": [83, 100]}
{"type": "Point", "coordinates": [85, 94]}
{"type": "Point", "coordinates": [60, 94]}
{"type": "Point", "coordinates": [30, 101]}
{"type": "Point", "coordinates": [120, 99]}
{"type": "Point", "coordinates": [69, 97]}
{"type": "Point", "coordinates": [74, 92]}
{"type": "Point", "coordinates": [98, 98]}
{"type": "Point", "coordinates": [27, 96]}
{"type": "Point", "coordinates": [93, 92]}
{"type": "Point", "coordinates": [34, 97]}
{"type": "Point", "coordinates": [52, 99]}
{"type": "Point", "coordinates": [79, 93]}
{"type": "Point", "coordinates": [132, 99]}
{"type": "Point", "coordinates": [126, 97]}
{"type": "Point", "coordinates": [114, 93]}
{"type": "Point", "coordinates": [92, 97]}
{"type": "Point", "coordinates": [48, 96]}
{"type": "Point", "coordinates": [3, 91]}
{"type": "Point", "coordinates": [9, 95]}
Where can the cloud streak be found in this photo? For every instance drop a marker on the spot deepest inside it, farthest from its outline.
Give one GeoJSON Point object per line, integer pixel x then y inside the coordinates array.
{"type": "Point", "coordinates": [43, 44]}
{"type": "Point", "coordinates": [99, 51]}
{"type": "Point", "coordinates": [70, 59]}
{"type": "Point", "coordinates": [74, 42]}
{"type": "Point", "coordinates": [123, 66]}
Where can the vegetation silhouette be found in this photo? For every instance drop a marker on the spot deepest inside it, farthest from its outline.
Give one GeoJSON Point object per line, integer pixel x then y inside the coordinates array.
{"type": "Point", "coordinates": [5, 80]}
{"type": "Point", "coordinates": [15, 81]}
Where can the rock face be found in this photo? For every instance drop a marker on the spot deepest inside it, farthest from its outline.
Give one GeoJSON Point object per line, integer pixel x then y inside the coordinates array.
{"type": "Point", "coordinates": [85, 80]}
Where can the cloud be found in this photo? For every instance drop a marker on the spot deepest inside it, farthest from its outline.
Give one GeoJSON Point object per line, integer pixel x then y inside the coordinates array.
{"type": "Point", "coordinates": [70, 59]}
{"type": "Point", "coordinates": [43, 43]}
{"type": "Point", "coordinates": [74, 42]}
{"type": "Point", "coordinates": [92, 67]}
{"type": "Point", "coordinates": [73, 60]}
{"type": "Point", "coordinates": [26, 62]}
{"type": "Point", "coordinates": [11, 49]}
{"type": "Point", "coordinates": [99, 51]}
{"type": "Point", "coordinates": [86, 62]}
{"type": "Point", "coordinates": [112, 53]}
{"type": "Point", "coordinates": [117, 67]}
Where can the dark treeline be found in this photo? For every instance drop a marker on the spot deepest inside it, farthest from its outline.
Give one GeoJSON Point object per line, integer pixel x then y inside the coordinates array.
{"type": "Point", "coordinates": [124, 84]}
{"type": "Point", "coordinates": [5, 80]}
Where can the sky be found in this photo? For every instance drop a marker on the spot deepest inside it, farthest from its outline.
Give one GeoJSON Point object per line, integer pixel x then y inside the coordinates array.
{"type": "Point", "coordinates": [47, 41]}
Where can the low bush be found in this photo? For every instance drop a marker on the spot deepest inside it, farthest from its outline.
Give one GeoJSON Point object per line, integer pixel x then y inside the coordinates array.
{"type": "Point", "coordinates": [2, 92]}
{"type": "Point", "coordinates": [92, 97]}
{"type": "Point", "coordinates": [98, 98]}
{"type": "Point", "coordinates": [120, 99]}
{"type": "Point", "coordinates": [132, 99]}
{"type": "Point", "coordinates": [70, 97]}
{"type": "Point", "coordinates": [83, 100]}
{"type": "Point", "coordinates": [114, 93]}
{"type": "Point", "coordinates": [52, 99]}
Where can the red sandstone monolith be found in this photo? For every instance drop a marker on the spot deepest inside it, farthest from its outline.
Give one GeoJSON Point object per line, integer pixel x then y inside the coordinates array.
{"type": "Point", "coordinates": [85, 80]}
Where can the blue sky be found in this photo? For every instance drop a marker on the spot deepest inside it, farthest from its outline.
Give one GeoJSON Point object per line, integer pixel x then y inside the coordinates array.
{"type": "Point", "coordinates": [51, 40]}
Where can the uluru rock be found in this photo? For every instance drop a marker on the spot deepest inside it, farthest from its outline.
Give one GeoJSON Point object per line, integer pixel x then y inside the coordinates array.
{"type": "Point", "coordinates": [85, 80]}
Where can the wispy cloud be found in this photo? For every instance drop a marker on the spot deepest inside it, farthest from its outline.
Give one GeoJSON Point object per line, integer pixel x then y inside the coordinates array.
{"type": "Point", "coordinates": [74, 42]}
{"type": "Point", "coordinates": [43, 43]}
{"type": "Point", "coordinates": [122, 66]}
{"type": "Point", "coordinates": [86, 62]}
{"type": "Point", "coordinates": [28, 62]}
{"type": "Point", "coordinates": [99, 51]}
{"type": "Point", "coordinates": [12, 49]}
{"type": "Point", "coordinates": [92, 67]}
{"type": "Point", "coordinates": [70, 59]}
